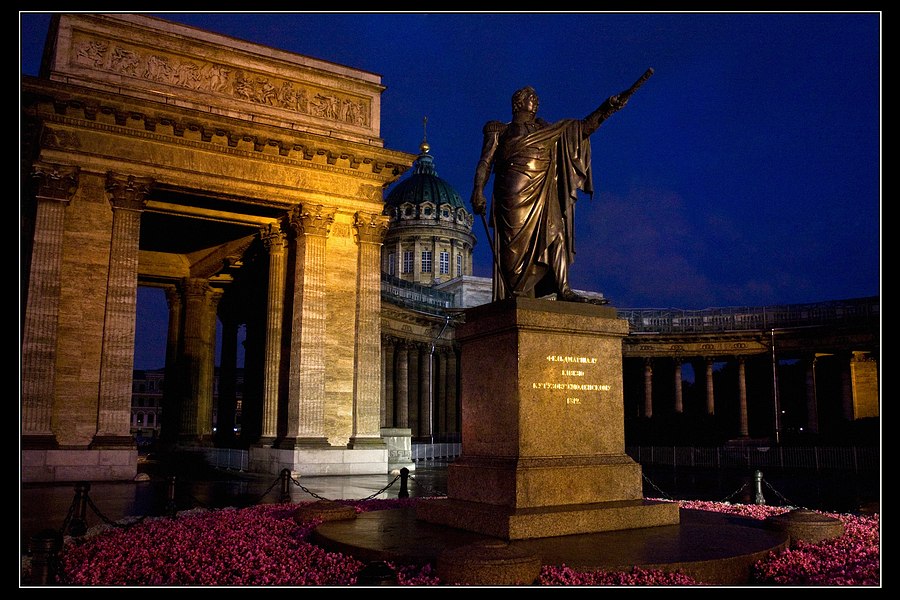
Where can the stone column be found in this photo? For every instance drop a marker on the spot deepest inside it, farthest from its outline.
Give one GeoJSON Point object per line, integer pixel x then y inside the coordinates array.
{"type": "Point", "coordinates": [864, 382]}
{"type": "Point", "coordinates": [387, 383]}
{"type": "Point", "coordinates": [254, 369]}
{"type": "Point", "coordinates": [679, 400]}
{"type": "Point", "coordinates": [370, 231]}
{"type": "Point", "coordinates": [435, 260]}
{"type": "Point", "coordinates": [453, 400]}
{"type": "Point", "coordinates": [56, 185]}
{"type": "Point", "coordinates": [226, 406]}
{"type": "Point", "coordinates": [273, 239]}
{"type": "Point", "coordinates": [414, 388]}
{"type": "Point", "coordinates": [128, 198]}
{"type": "Point", "coordinates": [170, 405]}
{"type": "Point", "coordinates": [401, 398]}
{"type": "Point", "coordinates": [306, 387]}
{"type": "Point", "coordinates": [426, 390]}
{"type": "Point", "coordinates": [648, 387]}
{"type": "Point", "coordinates": [441, 392]}
{"type": "Point", "coordinates": [812, 400]}
{"type": "Point", "coordinates": [199, 359]}
{"type": "Point", "coordinates": [208, 366]}
{"type": "Point", "coordinates": [710, 388]}
{"type": "Point", "coordinates": [846, 389]}
{"type": "Point", "coordinates": [742, 391]}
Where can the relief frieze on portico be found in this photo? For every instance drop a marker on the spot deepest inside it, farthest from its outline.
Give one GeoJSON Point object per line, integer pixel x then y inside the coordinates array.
{"type": "Point", "coordinates": [131, 60]}
{"type": "Point", "coordinates": [59, 138]}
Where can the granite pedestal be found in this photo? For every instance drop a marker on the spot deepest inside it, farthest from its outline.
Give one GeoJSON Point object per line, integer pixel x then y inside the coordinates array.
{"type": "Point", "coordinates": [543, 450]}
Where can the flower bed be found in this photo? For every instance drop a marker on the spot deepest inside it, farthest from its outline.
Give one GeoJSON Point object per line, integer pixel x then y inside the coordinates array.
{"type": "Point", "coordinates": [263, 546]}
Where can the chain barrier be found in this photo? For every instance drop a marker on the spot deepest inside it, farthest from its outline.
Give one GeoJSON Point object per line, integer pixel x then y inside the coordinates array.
{"type": "Point", "coordinates": [727, 499]}
{"type": "Point", "coordinates": [427, 487]}
{"type": "Point", "coordinates": [266, 493]}
{"type": "Point", "coordinates": [734, 493]}
{"type": "Point", "coordinates": [784, 500]}
{"type": "Point", "coordinates": [665, 495]}
{"type": "Point", "coordinates": [76, 524]}
{"type": "Point", "coordinates": [285, 494]}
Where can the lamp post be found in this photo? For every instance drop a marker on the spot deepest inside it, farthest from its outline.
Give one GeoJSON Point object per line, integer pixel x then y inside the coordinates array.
{"type": "Point", "coordinates": [775, 392]}
{"type": "Point", "coordinates": [431, 379]}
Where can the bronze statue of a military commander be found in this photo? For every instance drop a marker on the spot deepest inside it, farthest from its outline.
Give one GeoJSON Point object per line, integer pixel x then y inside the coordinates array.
{"type": "Point", "coordinates": [538, 169]}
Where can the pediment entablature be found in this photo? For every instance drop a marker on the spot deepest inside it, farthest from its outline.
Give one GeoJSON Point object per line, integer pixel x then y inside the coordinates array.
{"type": "Point", "coordinates": [152, 57]}
{"type": "Point", "coordinates": [71, 105]}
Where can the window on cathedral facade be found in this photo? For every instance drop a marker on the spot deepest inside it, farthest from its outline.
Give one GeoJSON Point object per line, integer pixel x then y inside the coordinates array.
{"type": "Point", "coordinates": [391, 266]}
{"type": "Point", "coordinates": [459, 265]}
{"type": "Point", "coordinates": [426, 261]}
{"type": "Point", "coordinates": [407, 261]}
{"type": "Point", "coordinates": [445, 262]}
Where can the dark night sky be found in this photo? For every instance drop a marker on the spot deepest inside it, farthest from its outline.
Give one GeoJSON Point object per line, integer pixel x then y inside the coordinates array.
{"type": "Point", "coordinates": [746, 172]}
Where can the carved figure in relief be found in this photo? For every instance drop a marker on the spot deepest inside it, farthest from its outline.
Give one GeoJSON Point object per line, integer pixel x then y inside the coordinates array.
{"type": "Point", "coordinates": [93, 51]}
{"type": "Point", "coordinates": [157, 69]}
{"type": "Point", "coordinates": [124, 61]}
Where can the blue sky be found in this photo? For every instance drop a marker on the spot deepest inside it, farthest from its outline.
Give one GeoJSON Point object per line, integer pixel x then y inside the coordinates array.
{"type": "Point", "coordinates": [746, 172]}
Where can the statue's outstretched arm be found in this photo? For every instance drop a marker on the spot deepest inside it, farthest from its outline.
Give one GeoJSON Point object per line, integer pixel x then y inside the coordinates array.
{"type": "Point", "coordinates": [612, 104]}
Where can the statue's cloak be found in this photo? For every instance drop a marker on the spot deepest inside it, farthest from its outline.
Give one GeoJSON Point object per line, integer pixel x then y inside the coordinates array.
{"type": "Point", "coordinates": [536, 183]}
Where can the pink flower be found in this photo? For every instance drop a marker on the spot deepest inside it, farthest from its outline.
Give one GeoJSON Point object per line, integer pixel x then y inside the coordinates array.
{"type": "Point", "coordinates": [264, 546]}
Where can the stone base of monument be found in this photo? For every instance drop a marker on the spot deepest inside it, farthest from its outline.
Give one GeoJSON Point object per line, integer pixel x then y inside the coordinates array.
{"type": "Point", "coordinates": [490, 562]}
{"type": "Point", "coordinates": [543, 471]}
{"type": "Point", "coordinates": [711, 547]}
{"type": "Point", "coordinates": [807, 526]}
{"type": "Point", "coordinates": [543, 426]}
{"type": "Point", "coordinates": [527, 523]}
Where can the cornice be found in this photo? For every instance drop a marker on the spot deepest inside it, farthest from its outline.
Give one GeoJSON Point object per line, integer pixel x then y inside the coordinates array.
{"type": "Point", "coordinates": [55, 102]}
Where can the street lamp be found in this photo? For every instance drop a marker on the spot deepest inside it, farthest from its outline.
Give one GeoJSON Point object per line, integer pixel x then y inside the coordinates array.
{"type": "Point", "coordinates": [431, 379]}
{"type": "Point", "coordinates": [775, 392]}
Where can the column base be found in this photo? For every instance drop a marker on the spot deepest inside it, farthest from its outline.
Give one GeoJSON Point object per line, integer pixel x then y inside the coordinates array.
{"type": "Point", "coordinates": [112, 442]}
{"type": "Point", "coordinates": [368, 443]}
{"type": "Point", "coordinates": [194, 441]}
{"type": "Point", "coordinates": [265, 442]}
{"type": "Point", "coordinates": [291, 443]}
{"type": "Point", "coordinates": [40, 441]}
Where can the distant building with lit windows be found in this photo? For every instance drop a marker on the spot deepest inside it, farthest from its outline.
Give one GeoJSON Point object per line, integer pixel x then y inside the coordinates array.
{"type": "Point", "coordinates": [147, 398]}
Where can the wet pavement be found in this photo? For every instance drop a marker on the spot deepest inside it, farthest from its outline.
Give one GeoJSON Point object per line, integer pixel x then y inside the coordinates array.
{"type": "Point", "coordinates": [46, 506]}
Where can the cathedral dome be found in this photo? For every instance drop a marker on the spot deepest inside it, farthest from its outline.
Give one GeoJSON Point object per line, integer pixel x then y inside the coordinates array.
{"type": "Point", "coordinates": [412, 197]}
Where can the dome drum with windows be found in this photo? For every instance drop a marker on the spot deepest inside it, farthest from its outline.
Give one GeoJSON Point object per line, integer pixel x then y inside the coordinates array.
{"type": "Point", "coordinates": [430, 238]}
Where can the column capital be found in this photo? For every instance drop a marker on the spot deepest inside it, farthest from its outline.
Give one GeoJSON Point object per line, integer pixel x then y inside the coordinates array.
{"type": "Point", "coordinates": [195, 286]}
{"type": "Point", "coordinates": [128, 192]}
{"type": "Point", "coordinates": [272, 236]}
{"type": "Point", "coordinates": [370, 228]}
{"type": "Point", "coordinates": [54, 182]}
{"type": "Point", "coordinates": [313, 219]}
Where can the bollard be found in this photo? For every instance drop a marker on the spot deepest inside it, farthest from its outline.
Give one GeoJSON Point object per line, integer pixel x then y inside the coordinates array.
{"type": "Point", "coordinates": [404, 476]}
{"type": "Point", "coordinates": [171, 507]}
{"type": "Point", "coordinates": [285, 485]}
{"type": "Point", "coordinates": [78, 525]}
{"type": "Point", "coordinates": [376, 573]}
{"type": "Point", "coordinates": [45, 547]}
{"type": "Point", "coordinates": [759, 499]}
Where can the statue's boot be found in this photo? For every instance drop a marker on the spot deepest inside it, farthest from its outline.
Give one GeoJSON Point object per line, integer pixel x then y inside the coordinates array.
{"type": "Point", "coordinates": [567, 295]}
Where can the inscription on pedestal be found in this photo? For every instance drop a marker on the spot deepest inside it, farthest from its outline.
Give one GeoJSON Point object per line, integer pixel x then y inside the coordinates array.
{"type": "Point", "coordinates": [574, 379]}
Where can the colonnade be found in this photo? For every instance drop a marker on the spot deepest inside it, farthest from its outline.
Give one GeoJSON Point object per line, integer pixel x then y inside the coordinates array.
{"type": "Point", "coordinates": [843, 384]}
{"type": "Point", "coordinates": [420, 387]}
